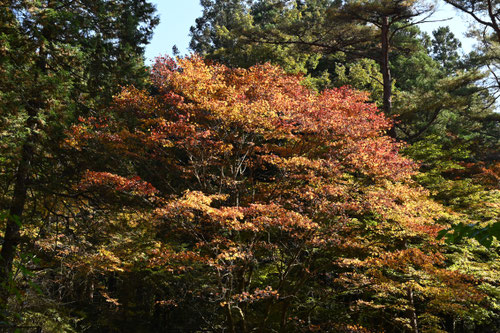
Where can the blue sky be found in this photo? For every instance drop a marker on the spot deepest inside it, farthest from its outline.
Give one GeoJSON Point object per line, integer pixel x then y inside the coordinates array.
{"type": "Point", "coordinates": [177, 16]}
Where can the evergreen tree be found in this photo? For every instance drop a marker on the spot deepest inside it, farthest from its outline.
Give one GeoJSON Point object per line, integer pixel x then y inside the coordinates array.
{"type": "Point", "coordinates": [60, 59]}
{"type": "Point", "coordinates": [445, 48]}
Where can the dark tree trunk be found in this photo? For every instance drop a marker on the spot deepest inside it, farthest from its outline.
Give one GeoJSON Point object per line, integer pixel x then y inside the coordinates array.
{"type": "Point", "coordinates": [12, 235]}
{"type": "Point", "coordinates": [386, 72]}
{"type": "Point", "coordinates": [14, 220]}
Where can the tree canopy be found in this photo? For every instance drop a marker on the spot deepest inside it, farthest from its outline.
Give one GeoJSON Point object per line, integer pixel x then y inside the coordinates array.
{"type": "Point", "coordinates": [270, 203]}
{"type": "Point", "coordinates": [315, 166]}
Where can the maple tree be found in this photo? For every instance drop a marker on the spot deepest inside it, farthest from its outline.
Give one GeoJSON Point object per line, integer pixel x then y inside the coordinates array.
{"type": "Point", "coordinates": [255, 203]}
{"type": "Point", "coordinates": [436, 95]}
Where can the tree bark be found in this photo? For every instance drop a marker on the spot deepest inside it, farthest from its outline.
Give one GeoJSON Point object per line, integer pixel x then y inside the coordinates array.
{"type": "Point", "coordinates": [386, 72]}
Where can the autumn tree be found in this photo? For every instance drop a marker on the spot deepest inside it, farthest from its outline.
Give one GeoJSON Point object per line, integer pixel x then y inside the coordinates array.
{"type": "Point", "coordinates": [255, 203]}
{"type": "Point", "coordinates": [335, 44]}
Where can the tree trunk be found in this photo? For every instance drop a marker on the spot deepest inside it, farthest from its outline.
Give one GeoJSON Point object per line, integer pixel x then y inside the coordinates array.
{"type": "Point", "coordinates": [412, 312]}
{"type": "Point", "coordinates": [386, 72]}
{"type": "Point", "coordinates": [14, 220]}
{"type": "Point", "coordinates": [12, 235]}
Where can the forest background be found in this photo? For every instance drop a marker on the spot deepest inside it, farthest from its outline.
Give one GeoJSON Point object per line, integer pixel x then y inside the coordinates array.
{"type": "Point", "coordinates": [175, 21]}
{"type": "Point", "coordinates": [316, 165]}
